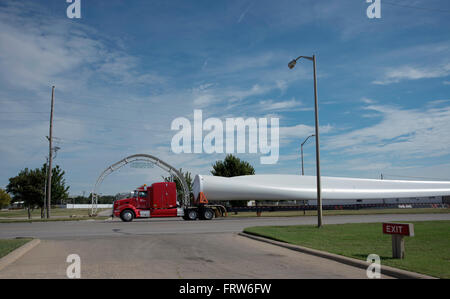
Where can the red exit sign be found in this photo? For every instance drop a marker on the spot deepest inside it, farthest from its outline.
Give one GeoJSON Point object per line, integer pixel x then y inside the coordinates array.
{"type": "Point", "coordinates": [404, 229]}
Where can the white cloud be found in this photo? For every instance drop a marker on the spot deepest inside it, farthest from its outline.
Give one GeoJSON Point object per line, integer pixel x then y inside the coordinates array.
{"type": "Point", "coordinates": [298, 133]}
{"type": "Point", "coordinates": [207, 95]}
{"type": "Point", "coordinates": [121, 68]}
{"type": "Point", "coordinates": [367, 101]}
{"type": "Point", "coordinates": [38, 52]}
{"type": "Point", "coordinates": [395, 75]}
{"type": "Point", "coordinates": [282, 85]}
{"type": "Point", "coordinates": [437, 102]}
{"type": "Point", "coordinates": [279, 105]}
{"type": "Point", "coordinates": [402, 133]}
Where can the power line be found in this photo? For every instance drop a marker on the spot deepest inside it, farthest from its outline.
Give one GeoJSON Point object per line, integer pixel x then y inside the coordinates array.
{"type": "Point", "coordinates": [71, 114]}
{"type": "Point", "coordinates": [84, 116]}
{"type": "Point", "coordinates": [112, 106]}
{"type": "Point", "coordinates": [91, 119]}
{"type": "Point", "coordinates": [90, 104]}
{"type": "Point", "coordinates": [101, 126]}
{"type": "Point", "coordinates": [74, 141]}
{"type": "Point", "coordinates": [17, 112]}
{"type": "Point", "coordinates": [23, 119]}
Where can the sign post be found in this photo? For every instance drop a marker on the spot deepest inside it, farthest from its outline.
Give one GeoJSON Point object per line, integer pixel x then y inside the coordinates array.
{"type": "Point", "coordinates": [398, 231]}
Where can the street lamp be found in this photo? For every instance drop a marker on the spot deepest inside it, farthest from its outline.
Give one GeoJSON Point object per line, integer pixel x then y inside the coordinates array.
{"type": "Point", "coordinates": [303, 171]}
{"type": "Point", "coordinates": [291, 65]}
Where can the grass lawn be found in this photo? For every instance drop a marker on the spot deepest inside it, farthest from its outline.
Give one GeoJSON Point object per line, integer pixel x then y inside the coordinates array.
{"type": "Point", "coordinates": [6, 246]}
{"type": "Point", "coordinates": [53, 219]}
{"type": "Point", "coordinates": [57, 214]}
{"type": "Point", "coordinates": [428, 252]}
{"type": "Point", "coordinates": [54, 212]}
{"type": "Point", "coordinates": [343, 212]}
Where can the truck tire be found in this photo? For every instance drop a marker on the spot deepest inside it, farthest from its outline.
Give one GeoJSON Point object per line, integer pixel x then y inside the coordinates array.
{"type": "Point", "coordinates": [207, 214]}
{"type": "Point", "coordinates": [127, 215]}
{"type": "Point", "coordinates": [191, 214]}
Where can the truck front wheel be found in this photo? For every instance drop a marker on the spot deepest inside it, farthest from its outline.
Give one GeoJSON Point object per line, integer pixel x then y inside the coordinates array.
{"type": "Point", "coordinates": [127, 215]}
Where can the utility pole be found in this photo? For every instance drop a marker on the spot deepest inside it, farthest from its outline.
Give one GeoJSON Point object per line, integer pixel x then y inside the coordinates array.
{"type": "Point", "coordinates": [45, 190]}
{"type": "Point", "coordinates": [49, 174]}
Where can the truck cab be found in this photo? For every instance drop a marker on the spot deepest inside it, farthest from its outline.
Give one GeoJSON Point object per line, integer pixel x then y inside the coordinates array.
{"type": "Point", "coordinates": [157, 200]}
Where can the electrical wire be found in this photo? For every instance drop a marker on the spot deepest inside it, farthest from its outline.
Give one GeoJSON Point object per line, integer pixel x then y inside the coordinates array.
{"type": "Point", "coordinates": [90, 120]}
{"type": "Point", "coordinates": [20, 112]}
{"type": "Point", "coordinates": [65, 140]}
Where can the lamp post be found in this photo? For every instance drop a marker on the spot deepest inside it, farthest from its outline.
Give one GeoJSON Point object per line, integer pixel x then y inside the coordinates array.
{"type": "Point", "coordinates": [303, 171]}
{"type": "Point", "coordinates": [291, 65]}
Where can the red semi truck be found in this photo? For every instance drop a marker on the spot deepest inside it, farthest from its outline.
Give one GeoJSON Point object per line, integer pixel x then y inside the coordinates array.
{"type": "Point", "coordinates": [160, 200]}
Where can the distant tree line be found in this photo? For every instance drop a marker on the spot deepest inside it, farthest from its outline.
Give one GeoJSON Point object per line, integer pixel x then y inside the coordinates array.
{"type": "Point", "coordinates": [101, 199]}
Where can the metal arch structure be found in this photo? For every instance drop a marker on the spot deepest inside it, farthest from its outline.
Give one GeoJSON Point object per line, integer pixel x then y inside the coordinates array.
{"type": "Point", "coordinates": [140, 157]}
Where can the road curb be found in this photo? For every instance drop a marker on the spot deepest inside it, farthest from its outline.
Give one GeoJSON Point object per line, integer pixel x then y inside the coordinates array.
{"type": "Point", "coordinates": [386, 270]}
{"type": "Point", "coordinates": [17, 253]}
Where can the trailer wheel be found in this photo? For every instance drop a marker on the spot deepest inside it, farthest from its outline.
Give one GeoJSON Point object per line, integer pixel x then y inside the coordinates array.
{"type": "Point", "coordinates": [207, 214]}
{"type": "Point", "coordinates": [127, 216]}
{"type": "Point", "coordinates": [192, 214]}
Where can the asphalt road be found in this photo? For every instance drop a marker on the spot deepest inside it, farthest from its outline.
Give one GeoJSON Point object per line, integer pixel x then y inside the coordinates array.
{"type": "Point", "coordinates": [173, 248]}
{"type": "Point", "coordinates": [57, 230]}
{"type": "Point", "coordinates": [219, 255]}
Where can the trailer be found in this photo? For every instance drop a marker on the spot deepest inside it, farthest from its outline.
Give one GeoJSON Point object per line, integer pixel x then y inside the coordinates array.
{"type": "Point", "coordinates": [160, 200]}
{"type": "Point", "coordinates": [285, 187]}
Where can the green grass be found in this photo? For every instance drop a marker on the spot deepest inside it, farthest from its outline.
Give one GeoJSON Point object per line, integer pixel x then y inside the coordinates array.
{"type": "Point", "coordinates": [6, 246]}
{"type": "Point", "coordinates": [428, 252]}
{"type": "Point", "coordinates": [343, 212]}
{"type": "Point", "coordinates": [54, 212]}
{"type": "Point", "coordinates": [53, 219]}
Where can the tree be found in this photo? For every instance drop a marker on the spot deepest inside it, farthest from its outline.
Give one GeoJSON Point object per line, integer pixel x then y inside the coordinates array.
{"type": "Point", "coordinates": [106, 199]}
{"type": "Point", "coordinates": [187, 177]}
{"type": "Point", "coordinates": [29, 186]}
{"type": "Point", "coordinates": [5, 199]}
{"type": "Point", "coordinates": [59, 190]}
{"type": "Point", "coordinates": [233, 166]}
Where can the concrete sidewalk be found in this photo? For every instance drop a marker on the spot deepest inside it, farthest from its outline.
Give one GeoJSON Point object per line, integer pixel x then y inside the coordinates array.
{"type": "Point", "coordinates": [201, 256]}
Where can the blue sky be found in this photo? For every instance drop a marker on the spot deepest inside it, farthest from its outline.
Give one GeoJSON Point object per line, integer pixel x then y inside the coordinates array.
{"type": "Point", "coordinates": [127, 69]}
